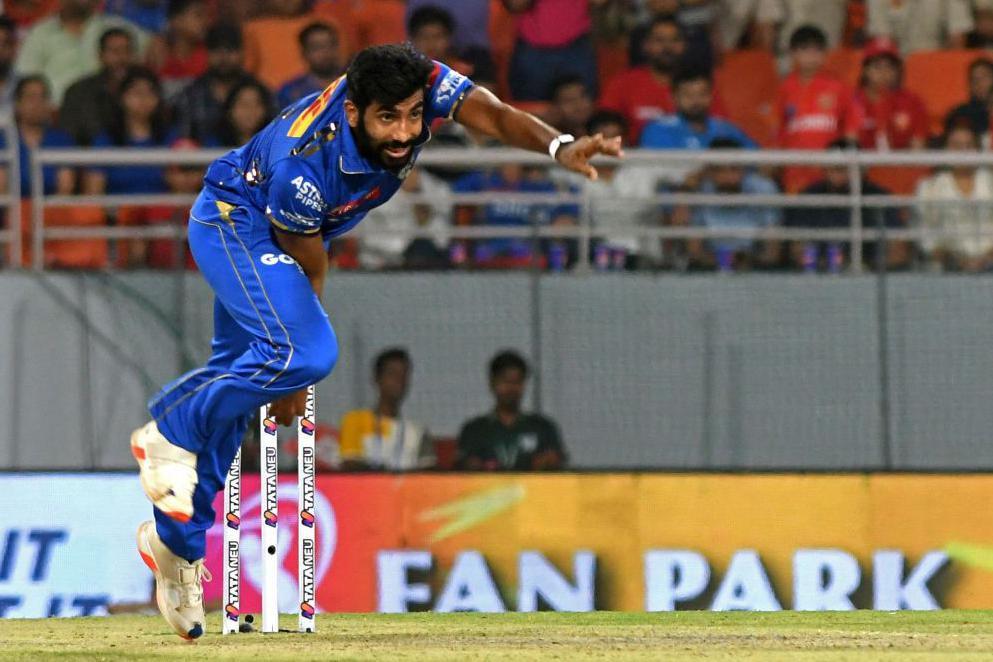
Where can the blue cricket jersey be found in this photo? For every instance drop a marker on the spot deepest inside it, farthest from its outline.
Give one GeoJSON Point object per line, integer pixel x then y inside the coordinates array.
{"type": "Point", "coordinates": [304, 171]}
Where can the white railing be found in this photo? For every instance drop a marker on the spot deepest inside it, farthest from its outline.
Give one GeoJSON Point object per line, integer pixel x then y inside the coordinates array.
{"type": "Point", "coordinates": [855, 162]}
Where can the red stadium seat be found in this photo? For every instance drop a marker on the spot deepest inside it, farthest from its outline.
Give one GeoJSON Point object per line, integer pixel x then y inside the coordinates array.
{"type": "Point", "coordinates": [611, 59]}
{"type": "Point", "coordinates": [845, 64]}
{"type": "Point", "coordinates": [445, 452]}
{"type": "Point", "coordinates": [747, 82]}
{"type": "Point", "coordinates": [380, 22]}
{"type": "Point", "coordinates": [940, 78]}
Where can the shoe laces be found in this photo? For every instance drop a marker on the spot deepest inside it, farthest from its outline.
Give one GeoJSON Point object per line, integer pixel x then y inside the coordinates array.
{"type": "Point", "coordinates": [191, 584]}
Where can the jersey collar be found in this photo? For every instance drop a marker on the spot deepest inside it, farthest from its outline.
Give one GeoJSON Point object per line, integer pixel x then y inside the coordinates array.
{"type": "Point", "coordinates": [351, 161]}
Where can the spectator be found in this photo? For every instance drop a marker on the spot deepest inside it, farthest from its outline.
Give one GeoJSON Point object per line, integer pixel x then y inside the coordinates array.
{"type": "Point", "coordinates": [812, 108]}
{"type": "Point", "coordinates": [572, 105]}
{"type": "Point", "coordinates": [471, 21]}
{"type": "Point", "coordinates": [828, 16]}
{"type": "Point", "coordinates": [64, 48]}
{"type": "Point", "coordinates": [138, 120]}
{"type": "Point", "coordinates": [508, 438]}
{"type": "Point", "coordinates": [325, 60]}
{"type": "Point", "coordinates": [247, 109]}
{"type": "Point", "coordinates": [728, 253]}
{"type": "Point", "coordinates": [25, 13]}
{"type": "Point", "coordinates": [272, 51]}
{"type": "Point", "coordinates": [642, 94]}
{"type": "Point", "coordinates": [89, 102]}
{"type": "Point", "coordinates": [198, 108]}
{"type": "Point", "coordinates": [553, 40]}
{"type": "Point", "coordinates": [695, 17]}
{"type": "Point", "coordinates": [431, 30]}
{"type": "Point", "coordinates": [836, 181]}
{"type": "Point", "coordinates": [976, 111]}
{"type": "Point", "coordinates": [33, 113]}
{"type": "Point", "coordinates": [619, 203]}
{"type": "Point", "coordinates": [957, 237]}
{"type": "Point", "coordinates": [918, 25]}
{"type": "Point", "coordinates": [380, 438]}
{"type": "Point", "coordinates": [982, 33]}
{"type": "Point", "coordinates": [423, 204]}
{"type": "Point", "coordinates": [510, 252]}
{"type": "Point", "coordinates": [891, 116]}
{"type": "Point", "coordinates": [180, 56]}
{"type": "Point", "coordinates": [8, 49]}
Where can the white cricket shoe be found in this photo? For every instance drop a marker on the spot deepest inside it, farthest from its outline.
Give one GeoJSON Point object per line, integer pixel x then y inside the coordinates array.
{"type": "Point", "coordinates": [168, 473]}
{"type": "Point", "coordinates": [178, 584]}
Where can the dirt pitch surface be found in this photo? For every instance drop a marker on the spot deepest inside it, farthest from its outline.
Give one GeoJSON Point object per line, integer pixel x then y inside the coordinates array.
{"type": "Point", "coordinates": [862, 636]}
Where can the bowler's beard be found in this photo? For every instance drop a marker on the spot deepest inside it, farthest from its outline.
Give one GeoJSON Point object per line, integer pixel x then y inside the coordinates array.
{"type": "Point", "coordinates": [376, 152]}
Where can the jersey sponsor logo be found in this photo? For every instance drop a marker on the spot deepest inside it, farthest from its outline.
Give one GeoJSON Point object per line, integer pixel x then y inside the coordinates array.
{"type": "Point", "coordinates": [814, 123]}
{"type": "Point", "coordinates": [308, 194]}
{"type": "Point", "coordinates": [299, 219]}
{"type": "Point", "coordinates": [448, 86]}
{"type": "Point", "coordinates": [352, 205]}
{"type": "Point", "coordinates": [310, 113]}
{"type": "Point", "coordinates": [270, 259]}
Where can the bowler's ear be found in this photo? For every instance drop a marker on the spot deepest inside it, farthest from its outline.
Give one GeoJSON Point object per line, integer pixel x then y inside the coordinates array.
{"type": "Point", "coordinates": [351, 113]}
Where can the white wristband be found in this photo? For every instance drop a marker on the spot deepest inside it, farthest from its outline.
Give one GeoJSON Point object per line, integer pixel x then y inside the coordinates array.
{"type": "Point", "coordinates": [564, 139]}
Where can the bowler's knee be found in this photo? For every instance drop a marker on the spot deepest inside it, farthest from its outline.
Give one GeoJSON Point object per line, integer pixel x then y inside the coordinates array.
{"type": "Point", "coordinates": [315, 358]}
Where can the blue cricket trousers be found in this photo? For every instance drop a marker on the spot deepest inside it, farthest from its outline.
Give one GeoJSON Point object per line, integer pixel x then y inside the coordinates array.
{"type": "Point", "coordinates": [271, 338]}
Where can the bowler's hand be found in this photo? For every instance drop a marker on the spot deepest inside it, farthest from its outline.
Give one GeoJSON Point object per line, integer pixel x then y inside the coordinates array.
{"type": "Point", "coordinates": [287, 409]}
{"type": "Point", "coordinates": [576, 155]}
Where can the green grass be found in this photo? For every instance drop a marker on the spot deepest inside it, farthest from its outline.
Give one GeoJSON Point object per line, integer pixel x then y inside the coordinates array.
{"type": "Point", "coordinates": [862, 636]}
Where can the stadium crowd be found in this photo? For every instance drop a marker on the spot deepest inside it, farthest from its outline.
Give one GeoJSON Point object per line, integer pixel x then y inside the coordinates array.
{"type": "Point", "coordinates": [665, 74]}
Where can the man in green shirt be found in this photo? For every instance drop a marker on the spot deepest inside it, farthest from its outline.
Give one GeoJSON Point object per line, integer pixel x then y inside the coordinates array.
{"type": "Point", "coordinates": [507, 438]}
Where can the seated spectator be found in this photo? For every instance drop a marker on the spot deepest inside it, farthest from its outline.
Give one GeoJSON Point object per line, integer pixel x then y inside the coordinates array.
{"type": "Point", "coordinates": [248, 108]}
{"type": "Point", "coordinates": [199, 107]}
{"type": "Point", "coordinates": [976, 111]}
{"type": "Point", "coordinates": [508, 438]}
{"type": "Point", "coordinates": [920, 25]}
{"type": "Point", "coordinates": [179, 56]}
{"type": "Point", "coordinates": [380, 438]}
{"type": "Point", "coordinates": [470, 22]}
{"type": "Point", "coordinates": [321, 49]}
{"type": "Point", "coordinates": [272, 51]}
{"type": "Point", "coordinates": [88, 102]}
{"type": "Point", "coordinates": [8, 49]}
{"type": "Point", "coordinates": [642, 94]}
{"type": "Point", "coordinates": [64, 47]}
{"type": "Point", "coordinates": [695, 17]}
{"type": "Point", "coordinates": [732, 253]}
{"type": "Point", "coordinates": [833, 256]}
{"type": "Point", "coordinates": [510, 252]}
{"type": "Point", "coordinates": [957, 237]}
{"type": "Point", "coordinates": [553, 40]}
{"type": "Point", "coordinates": [572, 106]}
{"type": "Point", "coordinates": [619, 203]}
{"type": "Point", "coordinates": [891, 117]}
{"type": "Point", "coordinates": [813, 108]}
{"type": "Point", "coordinates": [431, 31]}
{"type": "Point", "coordinates": [423, 204]}
{"type": "Point", "coordinates": [138, 120]}
{"type": "Point", "coordinates": [982, 33]}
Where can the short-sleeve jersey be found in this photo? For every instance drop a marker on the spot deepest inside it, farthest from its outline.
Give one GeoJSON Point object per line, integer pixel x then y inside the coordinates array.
{"type": "Point", "coordinates": [304, 170]}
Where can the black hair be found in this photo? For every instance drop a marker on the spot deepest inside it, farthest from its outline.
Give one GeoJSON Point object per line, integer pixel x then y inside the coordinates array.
{"type": "Point", "coordinates": [115, 32]}
{"type": "Point", "coordinates": [725, 143]}
{"type": "Point", "coordinates": [176, 7]}
{"type": "Point", "coordinates": [226, 131]}
{"type": "Point", "coordinates": [313, 29]}
{"type": "Point", "coordinates": [603, 117]}
{"type": "Point", "coordinates": [506, 360]}
{"type": "Point", "coordinates": [430, 15]}
{"type": "Point", "coordinates": [807, 36]}
{"type": "Point", "coordinates": [960, 123]}
{"type": "Point", "coordinates": [387, 75]}
{"type": "Point", "coordinates": [28, 80]}
{"type": "Point", "coordinates": [387, 356]}
{"type": "Point", "coordinates": [118, 128]}
{"type": "Point", "coordinates": [690, 74]}
{"type": "Point", "coordinates": [224, 36]}
{"type": "Point", "coordinates": [6, 23]}
{"type": "Point", "coordinates": [565, 81]}
{"type": "Point", "coordinates": [666, 19]}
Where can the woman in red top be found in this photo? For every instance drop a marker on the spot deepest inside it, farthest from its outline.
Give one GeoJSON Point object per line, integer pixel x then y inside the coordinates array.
{"type": "Point", "coordinates": [891, 117]}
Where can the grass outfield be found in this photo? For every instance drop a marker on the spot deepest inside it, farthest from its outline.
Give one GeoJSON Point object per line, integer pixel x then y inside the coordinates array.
{"type": "Point", "coordinates": [862, 636]}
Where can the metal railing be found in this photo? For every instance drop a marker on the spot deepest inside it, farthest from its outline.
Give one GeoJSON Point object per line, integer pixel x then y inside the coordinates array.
{"type": "Point", "coordinates": [855, 162]}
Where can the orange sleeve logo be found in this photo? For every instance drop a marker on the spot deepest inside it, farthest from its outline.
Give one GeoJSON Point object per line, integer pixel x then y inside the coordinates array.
{"type": "Point", "coordinates": [304, 119]}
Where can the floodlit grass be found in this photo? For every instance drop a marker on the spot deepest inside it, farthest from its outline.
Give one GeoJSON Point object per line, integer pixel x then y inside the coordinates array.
{"type": "Point", "coordinates": [862, 636]}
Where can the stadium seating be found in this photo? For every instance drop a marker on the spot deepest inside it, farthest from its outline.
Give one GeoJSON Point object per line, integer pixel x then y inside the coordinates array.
{"type": "Point", "coordinates": [747, 81]}
{"type": "Point", "coordinates": [940, 78]}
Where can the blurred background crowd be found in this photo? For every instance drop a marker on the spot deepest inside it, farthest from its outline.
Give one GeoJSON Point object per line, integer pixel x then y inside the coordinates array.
{"type": "Point", "coordinates": [664, 74]}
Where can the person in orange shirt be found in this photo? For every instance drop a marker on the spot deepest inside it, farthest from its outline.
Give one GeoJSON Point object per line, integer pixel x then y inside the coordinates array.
{"type": "Point", "coordinates": [812, 107]}
{"type": "Point", "coordinates": [272, 42]}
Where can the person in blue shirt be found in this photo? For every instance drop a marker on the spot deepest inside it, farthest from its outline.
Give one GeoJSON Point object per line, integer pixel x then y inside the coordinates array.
{"type": "Point", "coordinates": [692, 126]}
{"type": "Point", "coordinates": [320, 45]}
{"type": "Point", "coordinates": [259, 232]}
